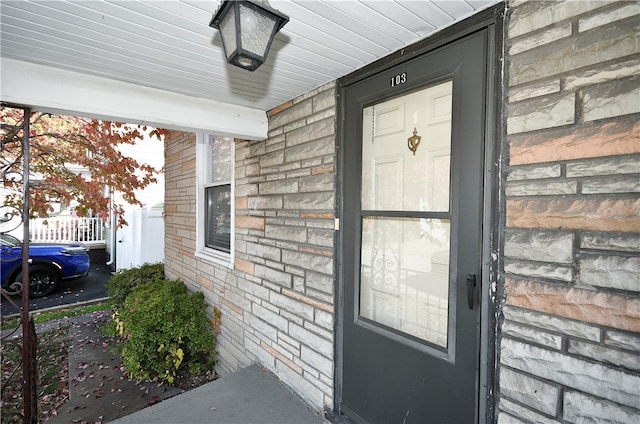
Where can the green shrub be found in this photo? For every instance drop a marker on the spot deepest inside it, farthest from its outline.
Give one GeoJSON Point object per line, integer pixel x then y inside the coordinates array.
{"type": "Point", "coordinates": [165, 332]}
{"type": "Point", "coordinates": [122, 283]}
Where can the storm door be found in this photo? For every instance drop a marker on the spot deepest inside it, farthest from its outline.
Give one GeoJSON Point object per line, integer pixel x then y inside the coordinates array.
{"type": "Point", "coordinates": [413, 160]}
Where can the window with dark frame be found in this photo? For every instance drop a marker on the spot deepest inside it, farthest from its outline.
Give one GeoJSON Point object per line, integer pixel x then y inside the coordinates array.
{"type": "Point", "coordinates": [217, 193]}
{"type": "Point", "coordinates": [218, 217]}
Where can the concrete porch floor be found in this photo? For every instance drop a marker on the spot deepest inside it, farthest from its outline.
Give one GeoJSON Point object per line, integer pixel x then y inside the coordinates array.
{"type": "Point", "coordinates": [250, 395]}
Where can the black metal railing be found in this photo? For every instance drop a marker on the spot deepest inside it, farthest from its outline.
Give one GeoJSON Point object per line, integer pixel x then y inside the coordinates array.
{"type": "Point", "coordinates": [7, 218]}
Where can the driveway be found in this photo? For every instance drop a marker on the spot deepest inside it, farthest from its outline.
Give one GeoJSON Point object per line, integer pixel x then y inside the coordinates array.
{"type": "Point", "coordinates": [83, 289]}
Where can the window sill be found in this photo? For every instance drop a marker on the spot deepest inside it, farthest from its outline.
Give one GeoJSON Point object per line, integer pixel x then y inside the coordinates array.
{"type": "Point", "coordinates": [220, 258]}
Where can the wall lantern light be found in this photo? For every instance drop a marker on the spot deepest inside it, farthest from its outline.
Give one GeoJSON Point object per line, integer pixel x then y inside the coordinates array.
{"type": "Point", "coordinates": [247, 29]}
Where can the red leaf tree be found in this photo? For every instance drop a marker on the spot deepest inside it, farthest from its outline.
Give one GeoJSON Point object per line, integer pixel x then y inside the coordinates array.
{"type": "Point", "coordinates": [59, 146]}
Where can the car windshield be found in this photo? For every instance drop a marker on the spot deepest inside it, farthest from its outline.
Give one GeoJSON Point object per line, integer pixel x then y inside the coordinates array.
{"type": "Point", "coordinates": [9, 241]}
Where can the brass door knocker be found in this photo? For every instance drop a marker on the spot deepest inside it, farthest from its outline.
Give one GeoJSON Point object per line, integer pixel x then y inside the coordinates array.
{"type": "Point", "coordinates": [414, 141]}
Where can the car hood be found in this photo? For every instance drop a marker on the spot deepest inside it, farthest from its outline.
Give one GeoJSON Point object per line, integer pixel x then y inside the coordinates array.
{"type": "Point", "coordinates": [59, 246]}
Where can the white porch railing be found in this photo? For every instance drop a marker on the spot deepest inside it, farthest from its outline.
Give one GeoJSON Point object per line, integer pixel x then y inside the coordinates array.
{"type": "Point", "coordinates": [89, 231]}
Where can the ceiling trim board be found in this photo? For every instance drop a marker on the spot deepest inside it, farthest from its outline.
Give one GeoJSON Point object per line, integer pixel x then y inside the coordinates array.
{"type": "Point", "coordinates": [58, 91]}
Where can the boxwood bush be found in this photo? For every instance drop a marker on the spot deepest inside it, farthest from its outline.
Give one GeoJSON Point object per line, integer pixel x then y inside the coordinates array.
{"type": "Point", "coordinates": [165, 332]}
{"type": "Point", "coordinates": [123, 282]}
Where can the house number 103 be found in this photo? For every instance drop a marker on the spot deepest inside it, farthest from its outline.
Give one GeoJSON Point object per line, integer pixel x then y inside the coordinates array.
{"type": "Point", "coordinates": [398, 79]}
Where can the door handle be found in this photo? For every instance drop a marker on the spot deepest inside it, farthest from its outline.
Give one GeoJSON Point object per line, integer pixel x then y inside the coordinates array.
{"type": "Point", "coordinates": [471, 289]}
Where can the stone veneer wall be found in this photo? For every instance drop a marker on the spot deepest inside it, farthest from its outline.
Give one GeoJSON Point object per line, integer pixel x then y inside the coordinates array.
{"type": "Point", "coordinates": [570, 347]}
{"type": "Point", "coordinates": [277, 302]}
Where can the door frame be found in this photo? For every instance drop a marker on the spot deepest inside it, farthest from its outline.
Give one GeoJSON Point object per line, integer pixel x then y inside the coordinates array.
{"type": "Point", "coordinates": [493, 205]}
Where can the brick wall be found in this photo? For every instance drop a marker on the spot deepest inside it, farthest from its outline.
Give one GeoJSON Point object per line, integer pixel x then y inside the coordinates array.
{"type": "Point", "coordinates": [277, 302]}
{"type": "Point", "coordinates": [570, 346]}
{"type": "Point", "coordinates": [180, 205]}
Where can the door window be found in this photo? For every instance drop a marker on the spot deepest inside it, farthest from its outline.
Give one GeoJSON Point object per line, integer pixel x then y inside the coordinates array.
{"type": "Point", "coordinates": [405, 240]}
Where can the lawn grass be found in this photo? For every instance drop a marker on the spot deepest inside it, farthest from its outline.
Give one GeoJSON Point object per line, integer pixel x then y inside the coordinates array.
{"type": "Point", "coordinates": [70, 312]}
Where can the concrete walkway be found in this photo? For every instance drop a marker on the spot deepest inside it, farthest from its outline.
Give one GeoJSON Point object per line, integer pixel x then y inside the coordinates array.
{"type": "Point", "coordinates": [250, 395]}
{"type": "Point", "coordinates": [100, 392]}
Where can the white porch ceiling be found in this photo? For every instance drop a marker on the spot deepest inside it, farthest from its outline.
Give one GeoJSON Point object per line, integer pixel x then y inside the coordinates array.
{"type": "Point", "coordinates": [168, 44]}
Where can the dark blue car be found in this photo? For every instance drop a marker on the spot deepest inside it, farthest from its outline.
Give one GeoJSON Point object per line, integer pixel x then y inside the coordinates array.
{"type": "Point", "coordinates": [48, 264]}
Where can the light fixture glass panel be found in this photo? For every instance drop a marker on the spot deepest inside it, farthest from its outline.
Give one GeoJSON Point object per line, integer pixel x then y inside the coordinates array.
{"type": "Point", "coordinates": [228, 32]}
{"type": "Point", "coordinates": [256, 31]}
